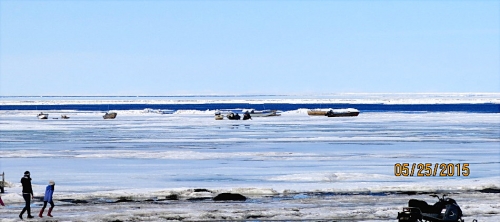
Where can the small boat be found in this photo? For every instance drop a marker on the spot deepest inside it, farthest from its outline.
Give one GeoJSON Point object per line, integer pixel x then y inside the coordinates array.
{"type": "Point", "coordinates": [165, 111]}
{"type": "Point", "coordinates": [43, 116]}
{"type": "Point", "coordinates": [159, 111]}
{"type": "Point", "coordinates": [317, 112]}
{"type": "Point", "coordinates": [342, 112]}
{"type": "Point", "coordinates": [333, 112]}
{"type": "Point", "coordinates": [218, 116]}
{"type": "Point", "coordinates": [262, 113]}
{"type": "Point", "coordinates": [64, 117]}
{"type": "Point", "coordinates": [110, 115]}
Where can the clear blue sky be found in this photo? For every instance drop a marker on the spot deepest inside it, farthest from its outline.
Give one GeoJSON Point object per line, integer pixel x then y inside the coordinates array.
{"type": "Point", "coordinates": [247, 47]}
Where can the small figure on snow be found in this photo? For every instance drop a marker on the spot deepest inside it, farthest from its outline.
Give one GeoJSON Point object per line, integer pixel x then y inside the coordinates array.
{"type": "Point", "coordinates": [49, 191]}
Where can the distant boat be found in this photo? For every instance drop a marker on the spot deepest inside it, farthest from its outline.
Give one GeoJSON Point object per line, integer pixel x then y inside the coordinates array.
{"type": "Point", "coordinates": [165, 111]}
{"type": "Point", "coordinates": [111, 115]}
{"type": "Point", "coordinates": [342, 112]}
{"type": "Point", "coordinates": [218, 116]}
{"type": "Point", "coordinates": [317, 112]}
{"type": "Point", "coordinates": [261, 113]}
{"type": "Point", "coordinates": [159, 111]}
{"type": "Point", "coordinates": [43, 116]}
{"type": "Point", "coordinates": [333, 112]}
{"type": "Point", "coordinates": [64, 117]}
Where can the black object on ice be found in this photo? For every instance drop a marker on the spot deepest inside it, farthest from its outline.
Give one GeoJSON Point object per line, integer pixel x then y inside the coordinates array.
{"type": "Point", "coordinates": [446, 209]}
{"type": "Point", "coordinates": [233, 116]}
{"type": "Point", "coordinates": [246, 116]}
{"type": "Point", "coordinates": [230, 196]}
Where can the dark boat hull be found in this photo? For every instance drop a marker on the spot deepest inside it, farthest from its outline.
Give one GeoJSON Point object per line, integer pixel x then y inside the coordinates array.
{"type": "Point", "coordinates": [342, 114]}
{"type": "Point", "coordinates": [43, 116]}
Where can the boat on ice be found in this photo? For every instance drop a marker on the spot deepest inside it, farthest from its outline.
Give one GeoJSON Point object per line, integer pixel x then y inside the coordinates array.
{"type": "Point", "coordinates": [64, 117]}
{"type": "Point", "coordinates": [333, 112]}
{"type": "Point", "coordinates": [159, 111]}
{"type": "Point", "coordinates": [43, 116]}
{"type": "Point", "coordinates": [218, 116]}
{"type": "Point", "coordinates": [261, 113]}
{"type": "Point", "coordinates": [110, 115]}
{"type": "Point", "coordinates": [342, 112]}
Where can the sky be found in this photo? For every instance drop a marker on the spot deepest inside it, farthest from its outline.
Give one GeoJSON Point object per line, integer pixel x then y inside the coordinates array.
{"type": "Point", "coordinates": [167, 47]}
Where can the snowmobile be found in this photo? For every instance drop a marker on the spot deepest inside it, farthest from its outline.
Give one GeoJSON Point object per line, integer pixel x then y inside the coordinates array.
{"type": "Point", "coordinates": [445, 210]}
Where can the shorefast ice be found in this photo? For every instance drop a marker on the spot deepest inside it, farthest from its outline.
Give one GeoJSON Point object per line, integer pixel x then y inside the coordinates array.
{"type": "Point", "coordinates": [148, 167]}
{"type": "Point", "coordinates": [345, 98]}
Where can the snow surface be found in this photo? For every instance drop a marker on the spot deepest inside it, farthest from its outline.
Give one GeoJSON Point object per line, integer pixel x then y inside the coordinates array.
{"type": "Point", "coordinates": [292, 167]}
{"type": "Point", "coordinates": [287, 207]}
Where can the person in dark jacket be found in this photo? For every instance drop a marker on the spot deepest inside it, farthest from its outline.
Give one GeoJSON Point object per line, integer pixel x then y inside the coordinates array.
{"type": "Point", "coordinates": [27, 194]}
{"type": "Point", "coordinates": [247, 116]}
{"type": "Point", "coordinates": [49, 191]}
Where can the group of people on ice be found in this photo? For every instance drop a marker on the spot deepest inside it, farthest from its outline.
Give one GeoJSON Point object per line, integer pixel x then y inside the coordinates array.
{"type": "Point", "coordinates": [236, 116]}
{"type": "Point", "coordinates": [28, 196]}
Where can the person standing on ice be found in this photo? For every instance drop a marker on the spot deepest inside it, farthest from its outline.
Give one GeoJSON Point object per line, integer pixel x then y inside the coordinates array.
{"type": "Point", "coordinates": [49, 191]}
{"type": "Point", "coordinates": [27, 194]}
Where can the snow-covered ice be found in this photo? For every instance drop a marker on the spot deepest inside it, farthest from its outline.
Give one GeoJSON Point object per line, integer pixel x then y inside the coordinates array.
{"type": "Point", "coordinates": [291, 167]}
{"type": "Point", "coordinates": [346, 98]}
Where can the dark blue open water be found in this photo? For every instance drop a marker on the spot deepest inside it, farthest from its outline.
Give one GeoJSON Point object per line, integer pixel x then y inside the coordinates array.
{"type": "Point", "coordinates": [475, 108]}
